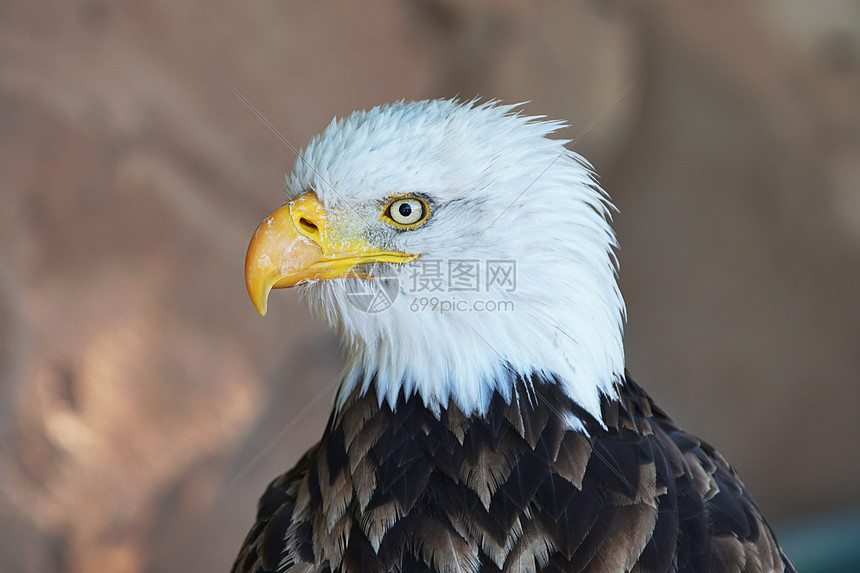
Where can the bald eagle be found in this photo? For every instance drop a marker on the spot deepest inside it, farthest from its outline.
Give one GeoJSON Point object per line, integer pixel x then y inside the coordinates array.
{"type": "Point", "coordinates": [485, 420]}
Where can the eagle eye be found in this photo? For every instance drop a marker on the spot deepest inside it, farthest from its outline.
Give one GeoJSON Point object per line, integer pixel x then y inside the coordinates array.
{"type": "Point", "coordinates": [407, 212]}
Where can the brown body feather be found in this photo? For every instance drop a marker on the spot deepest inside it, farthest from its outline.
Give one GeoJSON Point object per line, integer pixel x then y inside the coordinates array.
{"type": "Point", "coordinates": [514, 490]}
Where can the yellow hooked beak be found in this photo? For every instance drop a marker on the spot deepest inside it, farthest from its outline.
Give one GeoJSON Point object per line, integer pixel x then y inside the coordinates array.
{"type": "Point", "coordinates": [294, 244]}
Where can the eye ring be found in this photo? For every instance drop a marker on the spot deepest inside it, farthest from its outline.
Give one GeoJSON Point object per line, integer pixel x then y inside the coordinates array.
{"type": "Point", "coordinates": [407, 212]}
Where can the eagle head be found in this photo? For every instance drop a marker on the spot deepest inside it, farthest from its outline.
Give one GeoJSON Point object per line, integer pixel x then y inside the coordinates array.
{"type": "Point", "coordinates": [454, 247]}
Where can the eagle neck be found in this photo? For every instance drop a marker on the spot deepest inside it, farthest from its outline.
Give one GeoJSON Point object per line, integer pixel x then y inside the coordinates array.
{"type": "Point", "coordinates": [506, 388]}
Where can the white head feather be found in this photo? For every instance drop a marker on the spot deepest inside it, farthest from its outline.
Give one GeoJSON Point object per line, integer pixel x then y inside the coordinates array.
{"type": "Point", "coordinates": [499, 190]}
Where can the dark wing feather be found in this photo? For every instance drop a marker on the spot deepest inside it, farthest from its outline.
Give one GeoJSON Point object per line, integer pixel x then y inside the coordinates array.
{"type": "Point", "coordinates": [263, 547]}
{"type": "Point", "coordinates": [402, 489]}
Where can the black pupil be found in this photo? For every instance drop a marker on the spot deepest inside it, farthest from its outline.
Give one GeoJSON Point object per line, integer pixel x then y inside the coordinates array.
{"type": "Point", "coordinates": [405, 209]}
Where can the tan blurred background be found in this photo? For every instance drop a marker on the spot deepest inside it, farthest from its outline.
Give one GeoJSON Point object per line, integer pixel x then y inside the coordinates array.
{"type": "Point", "coordinates": [144, 405]}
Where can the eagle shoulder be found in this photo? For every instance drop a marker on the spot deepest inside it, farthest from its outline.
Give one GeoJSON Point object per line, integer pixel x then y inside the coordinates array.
{"type": "Point", "coordinates": [517, 489]}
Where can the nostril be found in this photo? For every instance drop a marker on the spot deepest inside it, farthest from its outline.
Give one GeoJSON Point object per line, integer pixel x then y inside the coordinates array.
{"type": "Point", "coordinates": [308, 225]}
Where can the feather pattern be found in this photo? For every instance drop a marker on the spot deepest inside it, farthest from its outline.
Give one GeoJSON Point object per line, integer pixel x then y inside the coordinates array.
{"type": "Point", "coordinates": [518, 490]}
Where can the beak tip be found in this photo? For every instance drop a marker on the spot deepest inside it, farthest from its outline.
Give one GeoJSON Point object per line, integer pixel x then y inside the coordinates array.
{"type": "Point", "coordinates": [259, 298]}
{"type": "Point", "coordinates": [261, 309]}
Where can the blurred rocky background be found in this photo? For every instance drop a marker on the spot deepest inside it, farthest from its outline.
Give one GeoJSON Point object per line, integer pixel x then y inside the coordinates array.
{"type": "Point", "coordinates": [144, 405]}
